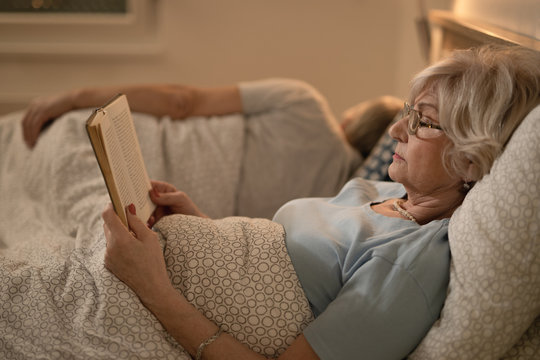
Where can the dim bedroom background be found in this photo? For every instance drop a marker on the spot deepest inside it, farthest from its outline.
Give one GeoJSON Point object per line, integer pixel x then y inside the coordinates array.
{"type": "Point", "coordinates": [57, 298]}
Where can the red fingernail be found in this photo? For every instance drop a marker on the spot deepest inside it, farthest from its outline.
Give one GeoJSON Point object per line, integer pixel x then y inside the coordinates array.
{"type": "Point", "coordinates": [132, 210]}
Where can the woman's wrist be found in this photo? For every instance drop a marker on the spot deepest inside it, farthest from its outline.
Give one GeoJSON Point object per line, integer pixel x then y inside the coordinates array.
{"type": "Point", "coordinates": [185, 323]}
{"type": "Point", "coordinates": [160, 298]}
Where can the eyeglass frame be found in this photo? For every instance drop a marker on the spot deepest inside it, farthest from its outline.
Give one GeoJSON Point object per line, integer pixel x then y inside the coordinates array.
{"type": "Point", "coordinates": [415, 120]}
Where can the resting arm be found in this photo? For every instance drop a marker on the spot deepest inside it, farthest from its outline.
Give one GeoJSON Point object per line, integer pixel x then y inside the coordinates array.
{"type": "Point", "coordinates": [177, 101]}
{"type": "Point", "coordinates": [138, 261]}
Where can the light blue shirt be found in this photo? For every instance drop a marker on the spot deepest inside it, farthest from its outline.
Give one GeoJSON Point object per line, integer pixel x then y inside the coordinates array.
{"type": "Point", "coordinates": [375, 283]}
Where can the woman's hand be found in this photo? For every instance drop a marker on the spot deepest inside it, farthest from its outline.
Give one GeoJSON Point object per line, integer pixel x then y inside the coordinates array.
{"type": "Point", "coordinates": [176, 101]}
{"type": "Point", "coordinates": [135, 256]}
{"type": "Point", "coordinates": [169, 201]}
{"type": "Point", "coordinates": [136, 259]}
{"type": "Point", "coordinates": [43, 110]}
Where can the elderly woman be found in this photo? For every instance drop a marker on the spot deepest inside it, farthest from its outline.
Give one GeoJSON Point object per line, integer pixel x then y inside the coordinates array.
{"type": "Point", "coordinates": [373, 261]}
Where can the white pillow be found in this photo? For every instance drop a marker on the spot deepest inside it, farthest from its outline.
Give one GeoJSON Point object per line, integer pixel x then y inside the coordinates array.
{"type": "Point", "coordinates": [494, 290]}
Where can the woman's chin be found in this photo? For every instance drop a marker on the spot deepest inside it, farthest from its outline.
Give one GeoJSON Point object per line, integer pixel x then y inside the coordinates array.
{"type": "Point", "coordinates": [393, 172]}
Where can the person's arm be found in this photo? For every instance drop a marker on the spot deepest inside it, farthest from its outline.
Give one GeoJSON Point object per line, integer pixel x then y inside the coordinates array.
{"type": "Point", "coordinates": [137, 260]}
{"type": "Point", "coordinates": [177, 101]}
{"type": "Point", "coordinates": [190, 328]}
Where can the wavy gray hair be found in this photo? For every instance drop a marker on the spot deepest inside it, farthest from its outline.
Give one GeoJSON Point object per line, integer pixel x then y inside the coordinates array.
{"type": "Point", "coordinates": [483, 95]}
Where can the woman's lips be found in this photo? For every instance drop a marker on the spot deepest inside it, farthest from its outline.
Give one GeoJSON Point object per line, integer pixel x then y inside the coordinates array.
{"type": "Point", "coordinates": [397, 157]}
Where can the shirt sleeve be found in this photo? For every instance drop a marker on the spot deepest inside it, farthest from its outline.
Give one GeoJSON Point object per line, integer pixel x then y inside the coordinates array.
{"type": "Point", "coordinates": [289, 111]}
{"type": "Point", "coordinates": [381, 313]}
{"type": "Point", "coordinates": [273, 94]}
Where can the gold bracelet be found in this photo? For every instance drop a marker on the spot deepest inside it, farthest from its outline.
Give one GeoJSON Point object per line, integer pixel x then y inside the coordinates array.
{"type": "Point", "coordinates": [207, 342]}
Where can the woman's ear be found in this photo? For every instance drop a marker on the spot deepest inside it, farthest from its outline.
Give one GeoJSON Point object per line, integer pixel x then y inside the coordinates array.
{"type": "Point", "coordinates": [471, 173]}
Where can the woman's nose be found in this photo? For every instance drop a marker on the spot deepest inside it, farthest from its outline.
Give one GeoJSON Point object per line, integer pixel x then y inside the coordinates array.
{"type": "Point", "coordinates": [398, 131]}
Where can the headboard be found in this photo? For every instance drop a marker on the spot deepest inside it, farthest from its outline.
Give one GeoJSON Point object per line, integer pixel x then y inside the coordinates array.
{"type": "Point", "coordinates": [449, 32]}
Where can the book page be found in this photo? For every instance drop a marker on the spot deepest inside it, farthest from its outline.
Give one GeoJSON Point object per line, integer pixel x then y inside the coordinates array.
{"type": "Point", "coordinates": [124, 154]}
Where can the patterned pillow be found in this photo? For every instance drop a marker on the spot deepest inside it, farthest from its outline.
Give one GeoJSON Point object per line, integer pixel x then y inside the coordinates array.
{"type": "Point", "coordinates": [494, 290]}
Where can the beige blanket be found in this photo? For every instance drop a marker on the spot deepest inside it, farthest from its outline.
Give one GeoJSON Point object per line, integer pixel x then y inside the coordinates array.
{"type": "Point", "coordinates": [238, 273]}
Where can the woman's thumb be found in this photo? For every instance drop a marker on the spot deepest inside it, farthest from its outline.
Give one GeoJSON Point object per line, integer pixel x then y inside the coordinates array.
{"type": "Point", "coordinates": [135, 223]}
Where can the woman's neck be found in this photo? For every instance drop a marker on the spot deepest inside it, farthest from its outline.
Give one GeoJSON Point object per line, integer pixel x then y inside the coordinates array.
{"type": "Point", "coordinates": [427, 207]}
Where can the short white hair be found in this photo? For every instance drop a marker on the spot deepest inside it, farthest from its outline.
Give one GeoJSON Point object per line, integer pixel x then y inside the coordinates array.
{"type": "Point", "coordinates": [483, 95]}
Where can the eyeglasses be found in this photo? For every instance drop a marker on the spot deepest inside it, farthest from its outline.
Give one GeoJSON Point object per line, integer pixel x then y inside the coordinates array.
{"type": "Point", "coordinates": [417, 120]}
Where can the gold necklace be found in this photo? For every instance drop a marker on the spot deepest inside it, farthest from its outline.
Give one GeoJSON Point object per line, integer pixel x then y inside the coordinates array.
{"type": "Point", "coordinates": [402, 211]}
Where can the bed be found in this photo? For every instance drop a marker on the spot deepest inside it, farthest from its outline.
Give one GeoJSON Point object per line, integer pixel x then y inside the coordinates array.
{"type": "Point", "coordinates": [58, 301]}
{"type": "Point", "coordinates": [57, 298]}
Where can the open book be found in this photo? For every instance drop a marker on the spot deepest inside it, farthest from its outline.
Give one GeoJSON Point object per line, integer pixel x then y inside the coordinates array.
{"type": "Point", "coordinates": [118, 153]}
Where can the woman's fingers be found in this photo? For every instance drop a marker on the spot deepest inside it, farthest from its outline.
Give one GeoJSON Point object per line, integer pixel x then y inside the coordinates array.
{"type": "Point", "coordinates": [157, 215]}
{"type": "Point", "coordinates": [34, 132]}
{"type": "Point", "coordinates": [43, 110]}
{"type": "Point", "coordinates": [162, 187]}
{"type": "Point", "coordinates": [114, 224]}
{"type": "Point", "coordinates": [37, 115]}
{"type": "Point", "coordinates": [168, 199]}
{"type": "Point", "coordinates": [133, 257]}
{"type": "Point", "coordinates": [29, 128]}
{"type": "Point", "coordinates": [135, 224]}
{"type": "Point", "coordinates": [171, 200]}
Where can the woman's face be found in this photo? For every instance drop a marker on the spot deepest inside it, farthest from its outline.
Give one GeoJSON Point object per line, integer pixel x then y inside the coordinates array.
{"type": "Point", "coordinates": [417, 162]}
